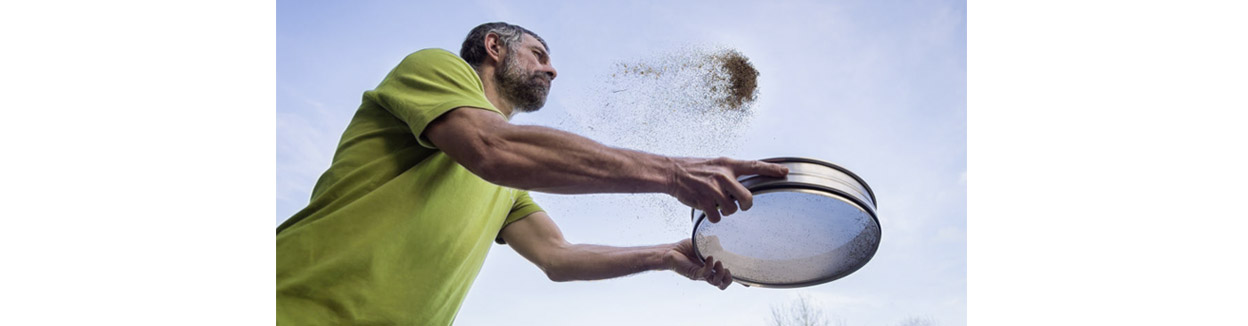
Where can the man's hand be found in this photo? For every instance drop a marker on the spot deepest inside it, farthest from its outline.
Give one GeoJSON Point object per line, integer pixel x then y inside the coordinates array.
{"type": "Point", "coordinates": [683, 260]}
{"type": "Point", "coordinates": [711, 185]}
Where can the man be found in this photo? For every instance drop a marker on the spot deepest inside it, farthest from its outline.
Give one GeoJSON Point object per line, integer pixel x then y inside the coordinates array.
{"type": "Point", "coordinates": [429, 172]}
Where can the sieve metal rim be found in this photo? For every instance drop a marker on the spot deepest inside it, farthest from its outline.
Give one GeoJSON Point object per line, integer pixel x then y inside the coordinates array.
{"type": "Point", "coordinates": [761, 185]}
{"type": "Point", "coordinates": [756, 183]}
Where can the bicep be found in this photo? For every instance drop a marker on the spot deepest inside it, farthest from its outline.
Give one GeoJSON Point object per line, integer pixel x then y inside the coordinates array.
{"type": "Point", "coordinates": [467, 135]}
{"type": "Point", "coordinates": [535, 237]}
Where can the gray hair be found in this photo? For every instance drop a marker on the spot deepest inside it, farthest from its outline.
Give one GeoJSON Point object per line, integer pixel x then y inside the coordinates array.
{"type": "Point", "coordinates": [473, 50]}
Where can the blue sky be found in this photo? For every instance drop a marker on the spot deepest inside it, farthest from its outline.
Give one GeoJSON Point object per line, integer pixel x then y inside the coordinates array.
{"type": "Point", "coordinates": [876, 86]}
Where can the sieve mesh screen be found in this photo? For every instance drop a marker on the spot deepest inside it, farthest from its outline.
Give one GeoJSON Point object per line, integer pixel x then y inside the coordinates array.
{"type": "Point", "coordinates": [791, 237]}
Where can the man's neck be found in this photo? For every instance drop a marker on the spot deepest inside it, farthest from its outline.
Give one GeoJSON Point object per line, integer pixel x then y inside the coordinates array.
{"type": "Point", "coordinates": [493, 93]}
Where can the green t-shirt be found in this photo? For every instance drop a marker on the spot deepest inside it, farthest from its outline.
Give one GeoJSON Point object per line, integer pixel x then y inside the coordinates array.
{"type": "Point", "coordinates": [396, 231]}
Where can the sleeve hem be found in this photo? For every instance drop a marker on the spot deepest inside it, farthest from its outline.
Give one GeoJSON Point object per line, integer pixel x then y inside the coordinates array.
{"type": "Point", "coordinates": [443, 109]}
{"type": "Point", "coordinates": [523, 213]}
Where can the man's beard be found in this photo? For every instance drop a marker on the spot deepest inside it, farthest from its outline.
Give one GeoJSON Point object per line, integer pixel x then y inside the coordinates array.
{"type": "Point", "coordinates": [527, 91]}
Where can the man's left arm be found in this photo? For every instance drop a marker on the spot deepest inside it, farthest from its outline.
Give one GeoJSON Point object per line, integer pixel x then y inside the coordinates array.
{"type": "Point", "coordinates": [539, 240]}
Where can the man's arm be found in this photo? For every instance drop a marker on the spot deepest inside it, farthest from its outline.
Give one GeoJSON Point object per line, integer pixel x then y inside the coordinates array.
{"type": "Point", "coordinates": [549, 160]}
{"type": "Point", "coordinates": [539, 240]}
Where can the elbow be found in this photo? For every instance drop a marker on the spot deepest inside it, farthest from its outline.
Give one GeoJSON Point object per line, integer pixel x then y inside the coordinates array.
{"type": "Point", "coordinates": [557, 276]}
{"type": "Point", "coordinates": [557, 268]}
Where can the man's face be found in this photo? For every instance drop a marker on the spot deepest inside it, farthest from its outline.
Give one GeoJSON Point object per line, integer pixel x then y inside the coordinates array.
{"type": "Point", "coordinates": [526, 74]}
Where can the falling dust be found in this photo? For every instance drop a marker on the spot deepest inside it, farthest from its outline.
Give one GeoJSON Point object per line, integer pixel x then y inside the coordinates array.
{"type": "Point", "coordinates": [691, 102]}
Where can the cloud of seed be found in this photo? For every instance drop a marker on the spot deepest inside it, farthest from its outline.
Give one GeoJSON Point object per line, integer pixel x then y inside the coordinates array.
{"type": "Point", "coordinates": [690, 102]}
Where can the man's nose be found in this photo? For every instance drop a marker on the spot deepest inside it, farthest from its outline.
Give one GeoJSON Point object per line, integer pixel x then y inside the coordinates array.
{"type": "Point", "coordinates": [550, 71]}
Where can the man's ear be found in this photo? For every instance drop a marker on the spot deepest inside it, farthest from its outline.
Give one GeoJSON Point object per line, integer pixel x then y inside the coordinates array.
{"type": "Point", "coordinates": [494, 49]}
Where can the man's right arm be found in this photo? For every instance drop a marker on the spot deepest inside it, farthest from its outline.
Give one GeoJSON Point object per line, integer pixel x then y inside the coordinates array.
{"type": "Point", "coordinates": [549, 160]}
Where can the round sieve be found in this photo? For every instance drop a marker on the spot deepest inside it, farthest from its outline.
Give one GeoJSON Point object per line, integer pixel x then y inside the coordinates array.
{"type": "Point", "coordinates": [816, 225]}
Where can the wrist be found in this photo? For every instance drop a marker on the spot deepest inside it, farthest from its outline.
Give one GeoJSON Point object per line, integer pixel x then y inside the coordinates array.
{"type": "Point", "coordinates": [658, 259]}
{"type": "Point", "coordinates": [671, 175]}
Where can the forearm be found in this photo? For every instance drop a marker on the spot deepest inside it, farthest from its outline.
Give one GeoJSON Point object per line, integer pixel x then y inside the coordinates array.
{"type": "Point", "coordinates": [594, 262]}
{"type": "Point", "coordinates": [549, 160]}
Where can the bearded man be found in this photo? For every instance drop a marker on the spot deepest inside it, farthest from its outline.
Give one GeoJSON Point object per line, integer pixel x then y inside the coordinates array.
{"type": "Point", "coordinates": [429, 172]}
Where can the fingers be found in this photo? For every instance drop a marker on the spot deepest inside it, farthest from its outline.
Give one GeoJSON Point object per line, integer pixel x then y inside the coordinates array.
{"type": "Point", "coordinates": [740, 196]}
{"type": "Point", "coordinates": [707, 270]}
{"type": "Point", "coordinates": [712, 212]}
{"type": "Point", "coordinates": [760, 167]}
{"type": "Point", "coordinates": [724, 201]}
{"type": "Point", "coordinates": [710, 271]}
{"type": "Point", "coordinates": [728, 195]}
{"type": "Point", "coordinates": [727, 279]}
{"type": "Point", "coordinates": [716, 274]}
{"type": "Point", "coordinates": [717, 192]}
{"type": "Point", "coordinates": [720, 277]}
{"type": "Point", "coordinates": [744, 198]}
{"type": "Point", "coordinates": [724, 193]}
{"type": "Point", "coordinates": [713, 272]}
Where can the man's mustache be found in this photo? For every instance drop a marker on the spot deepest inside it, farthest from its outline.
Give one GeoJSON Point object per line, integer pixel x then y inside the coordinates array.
{"type": "Point", "coordinates": [543, 77]}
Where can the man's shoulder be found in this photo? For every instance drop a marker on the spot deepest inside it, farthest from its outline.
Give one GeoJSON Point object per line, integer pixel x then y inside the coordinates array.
{"type": "Point", "coordinates": [434, 56]}
{"type": "Point", "coordinates": [437, 64]}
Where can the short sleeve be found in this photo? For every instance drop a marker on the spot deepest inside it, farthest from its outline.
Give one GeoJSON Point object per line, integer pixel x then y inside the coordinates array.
{"type": "Point", "coordinates": [427, 84]}
{"type": "Point", "coordinates": [521, 208]}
